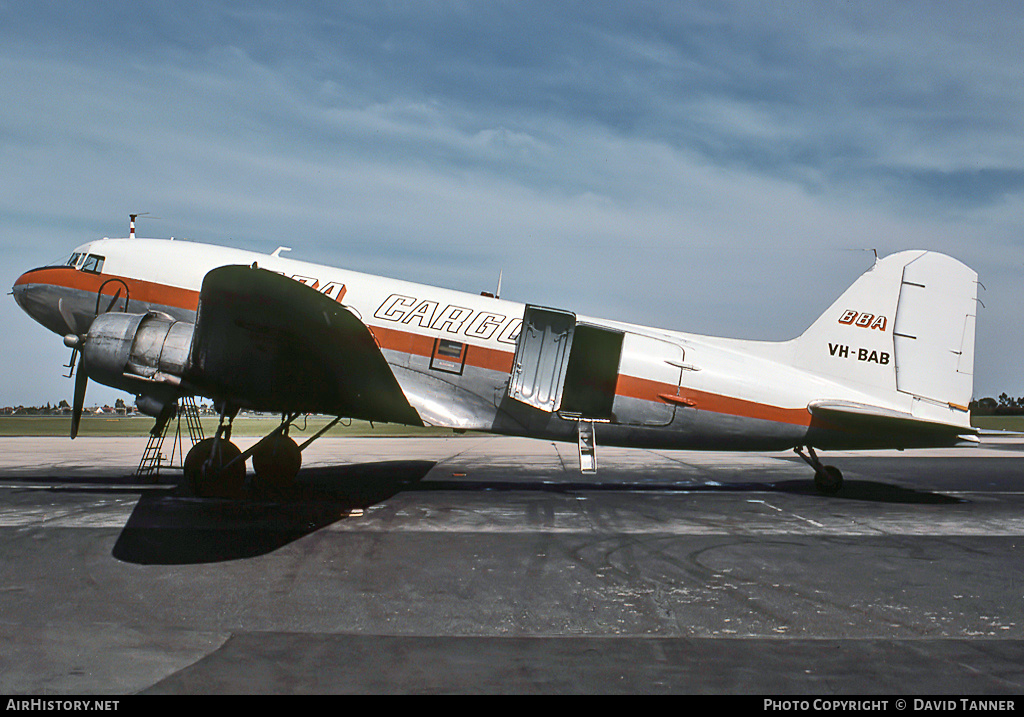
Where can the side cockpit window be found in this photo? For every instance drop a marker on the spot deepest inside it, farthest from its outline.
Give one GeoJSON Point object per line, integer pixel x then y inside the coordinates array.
{"type": "Point", "coordinates": [93, 264]}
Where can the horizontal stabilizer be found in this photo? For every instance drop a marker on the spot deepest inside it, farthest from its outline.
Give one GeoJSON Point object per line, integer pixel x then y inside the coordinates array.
{"type": "Point", "coordinates": [894, 429]}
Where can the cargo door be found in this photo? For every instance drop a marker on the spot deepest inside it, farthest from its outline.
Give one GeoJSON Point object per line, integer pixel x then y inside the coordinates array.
{"type": "Point", "coordinates": [542, 357]}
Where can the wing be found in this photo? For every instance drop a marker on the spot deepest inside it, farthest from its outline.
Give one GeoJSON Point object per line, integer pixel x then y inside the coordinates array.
{"type": "Point", "coordinates": [270, 343]}
{"type": "Point", "coordinates": [846, 422]}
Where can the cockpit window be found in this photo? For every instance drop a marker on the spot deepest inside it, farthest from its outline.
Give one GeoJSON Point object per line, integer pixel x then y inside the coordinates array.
{"type": "Point", "coordinates": [93, 264]}
{"type": "Point", "coordinates": [73, 261]}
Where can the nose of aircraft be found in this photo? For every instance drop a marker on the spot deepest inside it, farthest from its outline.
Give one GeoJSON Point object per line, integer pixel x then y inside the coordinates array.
{"type": "Point", "coordinates": [41, 301]}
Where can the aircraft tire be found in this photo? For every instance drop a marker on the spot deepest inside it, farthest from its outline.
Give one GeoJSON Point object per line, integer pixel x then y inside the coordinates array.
{"type": "Point", "coordinates": [205, 476]}
{"type": "Point", "coordinates": [277, 462]}
{"type": "Point", "coordinates": [828, 480]}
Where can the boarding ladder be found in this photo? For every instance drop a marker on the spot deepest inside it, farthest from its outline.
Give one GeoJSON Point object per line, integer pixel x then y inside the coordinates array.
{"type": "Point", "coordinates": [152, 458]}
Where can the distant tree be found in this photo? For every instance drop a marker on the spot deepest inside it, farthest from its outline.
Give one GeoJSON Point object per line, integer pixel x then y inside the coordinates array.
{"type": "Point", "coordinates": [984, 406]}
{"type": "Point", "coordinates": [1008, 405]}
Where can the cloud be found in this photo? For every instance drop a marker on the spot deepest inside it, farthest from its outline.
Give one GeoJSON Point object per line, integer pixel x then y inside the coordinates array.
{"type": "Point", "coordinates": [607, 157]}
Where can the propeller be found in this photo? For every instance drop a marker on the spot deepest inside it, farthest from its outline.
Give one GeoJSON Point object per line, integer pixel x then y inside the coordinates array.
{"type": "Point", "coordinates": [69, 318]}
{"type": "Point", "coordinates": [113, 301]}
{"type": "Point", "coordinates": [81, 379]}
{"type": "Point", "coordinates": [75, 341]}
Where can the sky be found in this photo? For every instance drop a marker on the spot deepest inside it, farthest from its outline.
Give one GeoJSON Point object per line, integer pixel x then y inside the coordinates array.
{"type": "Point", "coordinates": [717, 168]}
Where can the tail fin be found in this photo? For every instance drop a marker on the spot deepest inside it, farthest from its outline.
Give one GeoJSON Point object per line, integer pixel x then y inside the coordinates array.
{"type": "Point", "coordinates": [904, 329]}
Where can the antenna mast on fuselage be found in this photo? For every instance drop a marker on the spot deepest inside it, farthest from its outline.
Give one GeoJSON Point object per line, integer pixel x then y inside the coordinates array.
{"type": "Point", "coordinates": [131, 223]}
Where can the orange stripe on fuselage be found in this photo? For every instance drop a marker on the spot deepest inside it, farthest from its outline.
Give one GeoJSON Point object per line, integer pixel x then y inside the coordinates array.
{"type": "Point", "coordinates": [647, 390]}
{"type": "Point", "coordinates": [138, 290]}
{"type": "Point", "coordinates": [411, 343]}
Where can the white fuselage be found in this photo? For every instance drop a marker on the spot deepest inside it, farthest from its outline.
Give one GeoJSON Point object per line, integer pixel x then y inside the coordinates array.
{"type": "Point", "coordinates": [453, 352]}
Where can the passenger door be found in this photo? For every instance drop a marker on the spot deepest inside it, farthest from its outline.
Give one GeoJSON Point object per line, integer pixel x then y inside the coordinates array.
{"type": "Point", "coordinates": [650, 373]}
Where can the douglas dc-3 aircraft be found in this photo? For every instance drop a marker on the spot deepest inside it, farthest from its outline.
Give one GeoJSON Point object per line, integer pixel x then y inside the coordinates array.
{"type": "Point", "coordinates": [888, 365]}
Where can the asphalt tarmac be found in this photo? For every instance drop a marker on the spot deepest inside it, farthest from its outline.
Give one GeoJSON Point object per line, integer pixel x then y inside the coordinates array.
{"type": "Point", "coordinates": [491, 565]}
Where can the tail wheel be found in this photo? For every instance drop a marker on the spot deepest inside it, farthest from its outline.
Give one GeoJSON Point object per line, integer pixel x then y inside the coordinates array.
{"type": "Point", "coordinates": [205, 471]}
{"type": "Point", "coordinates": [277, 461]}
{"type": "Point", "coordinates": [828, 480]}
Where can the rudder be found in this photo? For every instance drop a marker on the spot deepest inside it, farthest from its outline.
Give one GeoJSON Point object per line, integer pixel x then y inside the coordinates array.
{"type": "Point", "coordinates": [905, 327]}
{"type": "Point", "coordinates": [934, 330]}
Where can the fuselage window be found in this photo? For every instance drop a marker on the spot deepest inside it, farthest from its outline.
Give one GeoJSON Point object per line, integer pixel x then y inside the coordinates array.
{"type": "Point", "coordinates": [93, 264]}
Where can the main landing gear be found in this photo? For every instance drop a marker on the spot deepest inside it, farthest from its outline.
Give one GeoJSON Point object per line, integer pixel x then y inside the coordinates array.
{"type": "Point", "coordinates": [215, 467]}
{"type": "Point", "coordinates": [827, 479]}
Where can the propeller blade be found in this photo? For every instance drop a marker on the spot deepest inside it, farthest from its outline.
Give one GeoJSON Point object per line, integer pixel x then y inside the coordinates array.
{"type": "Point", "coordinates": [113, 301]}
{"type": "Point", "coordinates": [69, 318]}
{"type": "Point", "coordinates": [81, 379]}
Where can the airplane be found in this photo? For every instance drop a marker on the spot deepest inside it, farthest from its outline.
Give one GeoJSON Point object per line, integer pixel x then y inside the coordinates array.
{"type": "Point", "coordinates": [888, 365]}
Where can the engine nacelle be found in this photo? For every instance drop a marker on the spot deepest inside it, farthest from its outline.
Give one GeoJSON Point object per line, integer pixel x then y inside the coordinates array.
{"type": "Point", "coordinates": [141, 353]}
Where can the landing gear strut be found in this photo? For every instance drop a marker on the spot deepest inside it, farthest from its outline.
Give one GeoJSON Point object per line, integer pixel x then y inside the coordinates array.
{"type": "Point", "coordinates": [212, 468]}
{"type": "Point", "coordinates": [215, 467]}
{"type": "Point", "coordinates": [827, 479]}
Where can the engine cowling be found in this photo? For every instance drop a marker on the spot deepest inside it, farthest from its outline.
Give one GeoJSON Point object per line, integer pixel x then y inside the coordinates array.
{"type": "Point", "coordinates": [140, 353]}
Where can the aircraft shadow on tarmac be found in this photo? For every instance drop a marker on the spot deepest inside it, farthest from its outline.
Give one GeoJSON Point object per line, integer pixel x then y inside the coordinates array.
{"type": "Point", "coordinates": [172, 529]}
